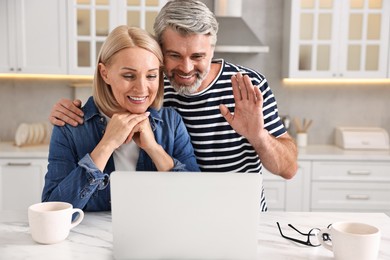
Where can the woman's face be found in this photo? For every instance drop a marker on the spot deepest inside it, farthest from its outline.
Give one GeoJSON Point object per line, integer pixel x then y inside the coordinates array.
{"type": "Point", "coordinates": [134, 78]}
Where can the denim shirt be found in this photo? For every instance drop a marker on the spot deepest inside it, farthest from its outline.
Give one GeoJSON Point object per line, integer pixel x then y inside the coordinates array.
{"type": "Point", "coordinates": [72, 175]}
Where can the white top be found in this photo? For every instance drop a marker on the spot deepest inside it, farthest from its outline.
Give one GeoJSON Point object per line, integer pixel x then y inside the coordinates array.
{"type": "Point", "coordinates": [92, 239]}
{"type": "Point", "coordinates": [126, 156]}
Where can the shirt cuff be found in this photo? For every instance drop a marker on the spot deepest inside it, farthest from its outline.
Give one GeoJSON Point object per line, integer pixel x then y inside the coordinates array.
{"type": "Point", "coordinates": [94, 175]}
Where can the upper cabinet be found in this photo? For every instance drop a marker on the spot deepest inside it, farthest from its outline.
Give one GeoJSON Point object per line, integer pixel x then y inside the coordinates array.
{"type": "Point", "coordinates": [33, 36]}
{"type": "Point", "coordinates": [90, 21]}
{"type": "Point", "coordinates": [336, 39]}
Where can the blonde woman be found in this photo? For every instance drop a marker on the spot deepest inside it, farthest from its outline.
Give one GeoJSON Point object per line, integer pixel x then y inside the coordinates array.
{"type": "Point", "coordinates": [125, 127]}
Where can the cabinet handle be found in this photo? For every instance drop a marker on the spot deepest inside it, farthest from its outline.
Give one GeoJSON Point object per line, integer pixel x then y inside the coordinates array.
{"type": "Point", "coordinates": [357, 172]}
{"type": "Point", "coordinates": [357, 197]}
{"type": "Point", "coordinates": [19, 164]}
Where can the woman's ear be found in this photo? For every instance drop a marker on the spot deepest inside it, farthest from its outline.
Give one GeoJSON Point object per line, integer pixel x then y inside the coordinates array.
{"type": "Point", "coordinates": [103, 72]}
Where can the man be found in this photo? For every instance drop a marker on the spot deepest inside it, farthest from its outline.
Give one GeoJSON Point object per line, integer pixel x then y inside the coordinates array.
{"type": "Point", "coordinates": [229, 110]}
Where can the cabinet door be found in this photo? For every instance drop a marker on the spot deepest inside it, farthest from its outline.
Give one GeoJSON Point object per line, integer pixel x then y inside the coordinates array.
{"type": "Point", "coordinates": [338, 39]}
{"type": "Point", "coordinates": [89, 24]}
{"type": "Point", "coordinates": [41, 36]}
{"type": "Point", "coordinates": [7, 50]}
{"type": "Point", "coordinates": [21, 182]}
{"type": "Point", "coordinates": [35, 36]}
{"type": "Point", "coordinates": [365, 39]}
{"type": "Point", "coordinates": [91, 21]}
{"type": "Point", "coordinates": [314, 32]}
{"type": "Point", "coordinates": [351, 196]}
{"type": "Point", "coordinates": [288, 195]}
{"type": "Point", "coordinates": [275, 191]}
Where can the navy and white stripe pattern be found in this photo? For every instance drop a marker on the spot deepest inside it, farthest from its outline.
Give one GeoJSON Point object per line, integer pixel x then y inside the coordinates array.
{"type": "Point", "coordinates": [218, 148]}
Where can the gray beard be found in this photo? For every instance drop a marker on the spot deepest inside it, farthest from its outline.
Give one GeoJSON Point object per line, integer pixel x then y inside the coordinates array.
{"type": "Point", "coordinates": [185, 89]}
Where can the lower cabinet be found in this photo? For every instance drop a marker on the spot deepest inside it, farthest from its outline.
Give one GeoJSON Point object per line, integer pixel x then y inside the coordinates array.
{"type": "Point", "coordinates": [331, 185]}
{"type": "Point", "coordinates": [288, 195]}
{"type": "Point", "coordinates": [21, 182]}
{"type": "Point", "coordinates": [350, 186]}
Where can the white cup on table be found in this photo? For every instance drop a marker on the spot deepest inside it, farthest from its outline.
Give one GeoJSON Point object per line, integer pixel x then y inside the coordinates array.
{"type": "Point", "coordinates": [50, 222]}
{"type": "Point", "coordinates": [351, 240]}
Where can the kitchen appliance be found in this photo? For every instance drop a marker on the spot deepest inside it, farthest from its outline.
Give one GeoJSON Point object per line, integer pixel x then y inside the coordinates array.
{"type": "Point", "coordinates": [367, 138]}
{"type": "Point", "coordinates": [234, 34]}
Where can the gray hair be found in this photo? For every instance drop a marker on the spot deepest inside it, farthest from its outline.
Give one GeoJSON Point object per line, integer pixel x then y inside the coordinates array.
{"type": "Point", "coordinates": [186, 17]}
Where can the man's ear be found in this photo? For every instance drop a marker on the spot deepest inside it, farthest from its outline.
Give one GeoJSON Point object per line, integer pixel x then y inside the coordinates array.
{"type": "Point", "coordinates": [103, 72]}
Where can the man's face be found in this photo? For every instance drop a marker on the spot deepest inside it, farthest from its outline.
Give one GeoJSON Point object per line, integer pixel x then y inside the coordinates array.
{"type": "Point", "coordinates": [187, 60]}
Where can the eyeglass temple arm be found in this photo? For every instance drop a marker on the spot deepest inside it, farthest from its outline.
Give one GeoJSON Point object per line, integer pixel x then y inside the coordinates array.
{"type": "Point", "coordinates": [290, 238]}
{"type": "Point", "coordinates": [304, 234]}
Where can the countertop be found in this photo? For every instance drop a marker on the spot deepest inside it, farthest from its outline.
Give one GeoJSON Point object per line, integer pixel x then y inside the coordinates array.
{"type": "Point", "coordinates": [332, 152]}
{"type": "Point", "coordinates": [311, 152]}
{"type": "Point", "coordinates": [10, 150]}
{"type": "Point", "coordinates": [92, 239]}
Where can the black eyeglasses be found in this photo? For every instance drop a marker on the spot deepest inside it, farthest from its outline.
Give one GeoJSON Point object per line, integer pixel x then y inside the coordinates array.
{"type": "Point", "coordinates": [312, 239]}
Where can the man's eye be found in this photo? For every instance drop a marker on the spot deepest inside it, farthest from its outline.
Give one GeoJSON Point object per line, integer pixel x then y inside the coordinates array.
{"type": "Point", "coordinates": [174, 56]}
{"type": "Point", "coordinates": [197, 57]}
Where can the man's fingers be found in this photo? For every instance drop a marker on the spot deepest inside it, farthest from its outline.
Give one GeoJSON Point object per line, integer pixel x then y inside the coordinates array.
{"type": "Point", "coordinates": [250, 92]}
{"type": "Point", "coordinates": [73, 106]}
{"type": "Point", "coordinates": [226, 113]}
{"type": "Point", "coordinates": [57, 116]}
{"type": "Point", "coordinates": [258, 96]}
{"type": "Point", "coordinates": [236, 89]}
{"type": "Point", "coordinates": [243, 86]}
{"type": "Point", "coordinates": [77, 103]}
{"type": "Point", "coordinates": [53, 120]}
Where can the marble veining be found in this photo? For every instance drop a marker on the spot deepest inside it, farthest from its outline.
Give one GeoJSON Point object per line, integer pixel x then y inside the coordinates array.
{"type": "Point", "coordinates": [92, 239]}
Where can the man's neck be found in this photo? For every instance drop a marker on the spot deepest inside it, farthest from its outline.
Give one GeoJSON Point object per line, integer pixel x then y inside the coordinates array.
{"type": "Point", "coordinates": [213, 73]}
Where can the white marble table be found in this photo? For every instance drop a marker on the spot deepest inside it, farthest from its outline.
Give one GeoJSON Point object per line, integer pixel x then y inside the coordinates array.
{"type": "Point", "coordinates": [92, 239]}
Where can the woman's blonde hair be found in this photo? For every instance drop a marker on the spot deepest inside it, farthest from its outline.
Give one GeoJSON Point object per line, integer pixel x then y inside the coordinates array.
{"type": "Point", "coordinates": [120, 38]}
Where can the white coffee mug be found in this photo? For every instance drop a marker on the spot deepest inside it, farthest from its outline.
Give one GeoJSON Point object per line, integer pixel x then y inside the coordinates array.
{"type": "Point", "coordinates": [50, 222]}
{"type": "Point", "coordinates": [351, 240]}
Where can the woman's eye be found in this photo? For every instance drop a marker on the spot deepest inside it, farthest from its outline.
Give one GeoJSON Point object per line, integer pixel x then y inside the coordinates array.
{"type": "Point", "coordinates": [128, 76]}
{"type": "Point", "coordinates": [151, 77]}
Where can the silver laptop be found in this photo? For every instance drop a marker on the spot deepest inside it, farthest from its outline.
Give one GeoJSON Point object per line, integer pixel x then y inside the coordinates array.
{"type": "Point", "coordinates": [170, 215]}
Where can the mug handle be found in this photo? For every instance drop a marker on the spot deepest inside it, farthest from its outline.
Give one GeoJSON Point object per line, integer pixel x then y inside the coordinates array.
{"type": "Point", "coordinates": [324, 233]}
{"type": "Point", "coordinates": [79, 218]}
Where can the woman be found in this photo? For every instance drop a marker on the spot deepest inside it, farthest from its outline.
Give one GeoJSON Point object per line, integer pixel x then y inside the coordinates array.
{"type": "Point", "coordinates": [125, 127]}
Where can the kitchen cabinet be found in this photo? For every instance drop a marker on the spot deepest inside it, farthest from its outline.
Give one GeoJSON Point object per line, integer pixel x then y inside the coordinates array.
{"type": "Point", "coordinates": [350, 185]}
{"type": "Point", "coordinates": [21, 182]}
{"type": "Point", "coordinates": [288, 195]}
{"type": "Point", "coordinates": [22, 171]}
{"type": "Point", "coordinates": [91, 21]}
{"type": "Point", "coordinates": [336, 39]}
{"type": "Point", "coordinates": [33, 38]}
{"type": "Point", "coordinates": [332, 179]}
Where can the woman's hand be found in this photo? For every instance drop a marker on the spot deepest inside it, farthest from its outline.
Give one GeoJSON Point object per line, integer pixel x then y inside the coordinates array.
{"type": "Point", "coordinates": [143, 136]}
{"type": "Point", "coordinates": [119, 130]}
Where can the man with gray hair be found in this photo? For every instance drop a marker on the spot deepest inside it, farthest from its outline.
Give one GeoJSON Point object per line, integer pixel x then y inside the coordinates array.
{"type": "Point", "coordinates": [229, 110]}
